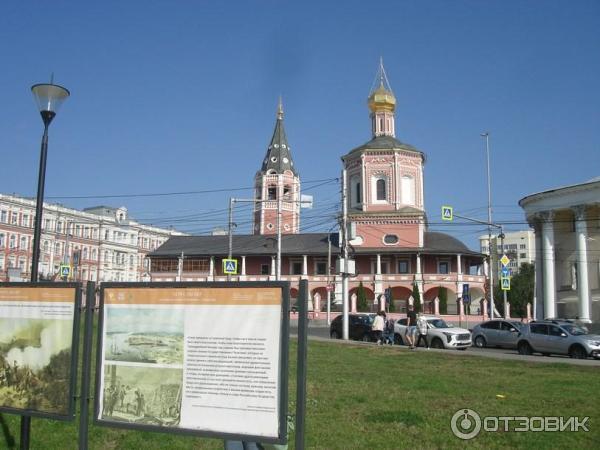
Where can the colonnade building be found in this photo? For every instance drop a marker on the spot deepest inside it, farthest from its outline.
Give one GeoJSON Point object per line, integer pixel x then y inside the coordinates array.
{"type": "Point", "coordinates": [566, 221]}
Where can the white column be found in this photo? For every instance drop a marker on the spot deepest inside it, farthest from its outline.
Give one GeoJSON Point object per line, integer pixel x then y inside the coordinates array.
{"type": "Point", "coordinates": [304, 266]}
{"type": "Point", "coordinates": [378, 264]}
{"type": "Point", "coordinates": [539, 264]}
{"type": "Point", "coordinates": [211, 268]}
{"type": "Point", "coordinates": [243, 266]}
{"type": "Point", "coordinates": [272, 266]}
{"type": "Point", "coordinates": [418, 264]}
{"type": "Point", "coordinates": [459, 284]}
{"type": "Point", "coordinates": [548, 256]}
{"type": "Point", "coordinates": [583, 286]}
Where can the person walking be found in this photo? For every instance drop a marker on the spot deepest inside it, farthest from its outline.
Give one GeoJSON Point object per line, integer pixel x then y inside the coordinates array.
{"type": "Point", "coordinates": [411, 326]}
{"type": "Point", "coordinates": [377, 327]}
{"type": "Point", "coordinates": [422, 328]}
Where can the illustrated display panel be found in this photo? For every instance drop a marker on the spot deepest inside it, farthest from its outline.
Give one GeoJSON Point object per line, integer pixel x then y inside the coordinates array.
{"type": "Point", "coordinates": [37, 335]}
{"type": "Point", "coordinates": [203, 359]}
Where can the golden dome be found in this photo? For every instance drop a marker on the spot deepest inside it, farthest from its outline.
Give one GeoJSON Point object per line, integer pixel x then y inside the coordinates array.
{"type": "Point", "coordinates": [382, 99]}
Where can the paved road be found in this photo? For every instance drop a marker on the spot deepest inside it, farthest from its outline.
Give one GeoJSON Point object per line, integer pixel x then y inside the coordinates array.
{"type": "Point", "coordinates": [322, 333]}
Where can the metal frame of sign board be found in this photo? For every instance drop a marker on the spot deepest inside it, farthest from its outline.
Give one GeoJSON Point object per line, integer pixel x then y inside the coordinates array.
{"type": "Point", "coordinates": [74, 351]}
{"type": "Point", "coordinates": [283, 356]}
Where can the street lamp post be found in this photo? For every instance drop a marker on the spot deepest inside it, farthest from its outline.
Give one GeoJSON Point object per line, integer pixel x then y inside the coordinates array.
{"type": "Point", "coordinates": [48, 97]}
{"type": "Point", "coordinates": [486, 135]}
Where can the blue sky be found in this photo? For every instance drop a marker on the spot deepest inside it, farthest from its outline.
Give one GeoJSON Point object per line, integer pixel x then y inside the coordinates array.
{"type": "Point", "coordinates": [179, 96]}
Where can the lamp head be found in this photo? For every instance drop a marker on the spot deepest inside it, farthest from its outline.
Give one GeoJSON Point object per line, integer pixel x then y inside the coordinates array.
{"type": "Point", "coordinates": [49, 97]}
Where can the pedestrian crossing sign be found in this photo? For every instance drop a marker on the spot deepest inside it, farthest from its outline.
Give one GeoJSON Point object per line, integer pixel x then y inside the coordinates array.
{"type": "Point", "coordinates": [230, 266]}
{"type": "Point", "coordinates": [65, 270]}
{"type": "Point", "coordinates": [447, 213]}
{"type": "Point", "coordinates": [505, 283]}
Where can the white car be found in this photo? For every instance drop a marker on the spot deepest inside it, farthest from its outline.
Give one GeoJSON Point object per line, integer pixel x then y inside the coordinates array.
{"type": "Point", "coordinates": [440, 334]}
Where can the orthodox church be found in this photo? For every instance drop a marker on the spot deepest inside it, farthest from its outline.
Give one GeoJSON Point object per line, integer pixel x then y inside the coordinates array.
{"type": "Point", "coordinates": [391, 245]}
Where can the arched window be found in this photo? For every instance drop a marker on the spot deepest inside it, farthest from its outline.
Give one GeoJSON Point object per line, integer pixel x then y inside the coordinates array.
{"type": "Point", "coordinates": [84, 253]}
{"type": "Point", "coordinates": [381, 191]}
{"type": "Point", "coordinates": [355, 192]}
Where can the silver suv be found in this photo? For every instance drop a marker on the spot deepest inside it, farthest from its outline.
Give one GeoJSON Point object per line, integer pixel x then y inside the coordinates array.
{"type": "Point", "coordinates": [558, 337]}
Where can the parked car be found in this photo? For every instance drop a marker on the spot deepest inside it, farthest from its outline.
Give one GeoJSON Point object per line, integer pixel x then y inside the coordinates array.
{"type": "Point", "coordinates": [359, 327]}
{"type": "Point", "coordinates": [497, 333]}
{"type": "Point", "coordinates": [440, 334]}
{"type": "Point", "coordinates": [558, 337]}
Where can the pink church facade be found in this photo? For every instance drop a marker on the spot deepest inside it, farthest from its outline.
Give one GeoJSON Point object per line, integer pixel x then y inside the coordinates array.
{"type": "Point", "coordinates": [391, 244]}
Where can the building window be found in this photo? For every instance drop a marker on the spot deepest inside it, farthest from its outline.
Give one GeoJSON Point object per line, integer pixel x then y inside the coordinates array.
{"type": "Point", "coordinates": [384, 267]}
{"type": "Point", "coordinates": [443, 267]}
{"type": "Point", "coordinates": [3, 216]}
{"type": "Point", "coordinates": [403, 266]}
{"type": "Point", "coordinates": [522, 255]}
{"type": "Point", "coordinates": [296, 268]}
{"type": "Point", "coordinates": [196, 265]}
{"type": "Point", "coordinates": [522, 246]}
{"type": "Point", "coordinates": [2, 240]}
{"type": "Point", "coordinates": [25, 220]}
{"type": "Point", "coordinates": [12, 241]}
{"type": "Point", "coordinates": [381, 190]}
{"type": "Point", "coordinates": [390, 239]}
{"type": "Point", "coordinates": [84, 254]}
{"type": "Point", "coordinates": [272, 193]}
{"type": "Point", "coordinates": [46, 247]}
{"type": "Point", "coordinates": [264, 269]}
{"type": "Point", "coordinates": [13, 218]}
{"type": "Point", "coordinates": [23, 244]}
{"type": "Point", "coordinates": [1, 262]}
{"type": "Point", "coordinates": [287, 190]}
{"type": "Point", "coordinates": [321, 268]}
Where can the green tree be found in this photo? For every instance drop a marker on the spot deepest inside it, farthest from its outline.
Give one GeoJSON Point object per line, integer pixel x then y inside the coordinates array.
{"type": "Point", "coordinates": [522, 287]}
{"type": "Point", "coordinates": [361, 298]}
{"type": "Point", "coordinates": [443, 298]}
{"type": "Point", "coordinates": [390, 299]}
{"type": "Point", "coordinates": [416, 298]}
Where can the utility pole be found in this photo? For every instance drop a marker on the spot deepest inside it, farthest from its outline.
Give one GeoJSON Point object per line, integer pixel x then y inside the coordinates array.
{"type": "Point", "coordinates": [345, 324]}
{"type": "Point", "coordinates": [503, 291]}
{"type": "Point", "coordinates": [230, 249]}
{"type": "Point", "coordinates": [329, 277]}
{"type": "Point", "coordinates": [279, 205]}
{"type": "Point", "coordinates": [486, 135]}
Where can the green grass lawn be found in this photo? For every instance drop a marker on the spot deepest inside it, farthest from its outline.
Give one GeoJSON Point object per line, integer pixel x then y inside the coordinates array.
{"type": "Point", "coordinates": [379, 397]}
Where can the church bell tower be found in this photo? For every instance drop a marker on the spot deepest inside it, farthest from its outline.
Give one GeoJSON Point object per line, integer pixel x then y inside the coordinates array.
{"type": "Point", "coordinates": [277, 186]}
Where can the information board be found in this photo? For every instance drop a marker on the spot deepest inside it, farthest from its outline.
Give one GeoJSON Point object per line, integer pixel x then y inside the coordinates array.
{"type": "Point", "coordinates": [39, 328]}
{"type": "Point", "coordinates": [206, 358]}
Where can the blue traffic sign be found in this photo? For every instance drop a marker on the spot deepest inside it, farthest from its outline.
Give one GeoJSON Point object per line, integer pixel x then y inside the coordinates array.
{"type": "Point", "coordinates": [505, 272]}
{"type": "Point", "coordinates": [65, 270]}
{"type": "Point", "coordinates": [447, 213]}
{"type": "Point", "coordinates": [230, 266]}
